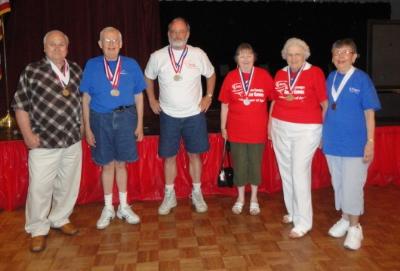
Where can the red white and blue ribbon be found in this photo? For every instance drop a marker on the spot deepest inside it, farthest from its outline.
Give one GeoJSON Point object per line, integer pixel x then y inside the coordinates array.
{"type": "Point", "coordinates": [113, 78]}
{"type": "Point", "coordinates": [177, 65]}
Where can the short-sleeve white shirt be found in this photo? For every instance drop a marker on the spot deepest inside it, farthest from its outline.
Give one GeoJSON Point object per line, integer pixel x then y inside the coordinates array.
{"type": "Point", "coordinates": [181, 98]}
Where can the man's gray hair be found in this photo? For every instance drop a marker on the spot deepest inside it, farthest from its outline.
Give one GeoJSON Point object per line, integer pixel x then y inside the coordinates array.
{"type": "Point", "coordinates": [54, 31]}
{"type": "Point", "coordinates": [179, 19]}
{"type": "Point", "coordinates": [110, 29]}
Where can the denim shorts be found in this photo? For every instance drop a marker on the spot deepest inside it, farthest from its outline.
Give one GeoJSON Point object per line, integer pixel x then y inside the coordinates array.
{"type": "Point", "coordinates": [114, 133]}
{"type": "Point", "coordinates": [193, 131]}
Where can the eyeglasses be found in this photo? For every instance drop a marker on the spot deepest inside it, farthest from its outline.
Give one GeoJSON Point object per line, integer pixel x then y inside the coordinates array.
{"type": "Point", "coordinates": [342, 52]}
{"type": "Point", "coordinates": [111, 40]}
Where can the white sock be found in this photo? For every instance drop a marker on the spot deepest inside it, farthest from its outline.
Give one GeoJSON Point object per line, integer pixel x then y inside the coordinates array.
{"type": "Point", "coordinates": [122, 199]}
{"type": "Point", "coordinates": [169, 187]}
{"type": "Point", "coordinates": [196, 187]}
{"type": "Point", "coordinates": [108, 201]}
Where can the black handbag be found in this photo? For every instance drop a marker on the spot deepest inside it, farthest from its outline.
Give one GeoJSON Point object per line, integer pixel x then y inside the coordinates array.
{"type": "Point", "coordinates": [225, 177]}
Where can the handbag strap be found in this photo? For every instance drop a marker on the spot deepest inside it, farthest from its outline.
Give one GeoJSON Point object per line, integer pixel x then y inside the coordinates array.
{"type": "Point", "coordinates": [226, 151]}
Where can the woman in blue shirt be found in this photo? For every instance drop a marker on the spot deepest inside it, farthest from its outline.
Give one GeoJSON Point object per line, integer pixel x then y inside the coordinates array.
{"type": "Point", "coordinates": [348, 138]}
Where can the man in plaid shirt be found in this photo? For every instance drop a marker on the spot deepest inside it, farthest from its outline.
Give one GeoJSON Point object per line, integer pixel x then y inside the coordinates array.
{"type": "Point", "coordinates": [47, 105]}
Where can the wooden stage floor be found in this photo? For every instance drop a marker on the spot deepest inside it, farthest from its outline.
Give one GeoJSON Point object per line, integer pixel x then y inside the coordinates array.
{"type": "Point", "coordinates": [216, 240]}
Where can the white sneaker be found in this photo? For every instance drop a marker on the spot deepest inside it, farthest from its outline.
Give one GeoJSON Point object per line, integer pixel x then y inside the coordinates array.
{"type": "Point", "coordinates": [354, 237]}
{"type": "Point", "coordinates": [168, 203]}
{"type": "Point", "coordinates": [198, 202]}
{"type": "Point", "coordinates": [128, 214]}
{"type": "Point", "coordinates": [106, 216]}
{"type": "Point", "coordinates": [340, 228]}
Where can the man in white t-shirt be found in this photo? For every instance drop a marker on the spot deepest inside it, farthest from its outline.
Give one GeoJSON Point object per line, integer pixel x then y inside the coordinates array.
{"type": "Point", "coordinates": [181, 106]}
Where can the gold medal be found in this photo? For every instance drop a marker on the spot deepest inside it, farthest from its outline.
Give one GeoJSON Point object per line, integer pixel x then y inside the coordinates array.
{"type": "Point", "coordinates": [114, 92]}
{"type": "Point", "coordinates": [289, 97]}
{"type": "Point", "coordinates": [66, 92]}
{"type": "Point", "coordinates": [177, 77]}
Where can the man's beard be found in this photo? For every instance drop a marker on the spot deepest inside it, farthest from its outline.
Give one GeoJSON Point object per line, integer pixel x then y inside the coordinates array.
{"type": "Point", "coordinates": [177, 43]}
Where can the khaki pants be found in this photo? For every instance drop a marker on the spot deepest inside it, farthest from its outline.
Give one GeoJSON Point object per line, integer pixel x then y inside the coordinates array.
{"type": "Point", "coordinates": [247, 160]}
{"type": "Point", "coordinates": [54, 177]}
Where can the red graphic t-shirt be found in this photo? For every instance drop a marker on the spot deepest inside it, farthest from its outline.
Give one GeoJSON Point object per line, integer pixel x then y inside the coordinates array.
{"type": "Point", "coordinates": [301, 102]}
{"type": "Point", "coordinates": [247, 123]}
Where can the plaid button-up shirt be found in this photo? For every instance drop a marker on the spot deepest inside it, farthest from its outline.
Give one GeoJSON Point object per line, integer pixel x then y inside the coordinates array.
{"type": "Point", "coordinates": [54, 117]}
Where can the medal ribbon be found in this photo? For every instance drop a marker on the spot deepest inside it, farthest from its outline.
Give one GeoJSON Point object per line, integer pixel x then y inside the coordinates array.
{"type": "Point", "coordinates": [177, 65]}
{"type": "Point", "coordinates": [113, 78]}
{"type": "Point", "coordinates": [63, 76]}
{"type": "Point", "coordinates": [246, 86]}
{"type": "Point", "coordinates": [292, 81]}
{"type": "Point", "coordinates": [335, 93]}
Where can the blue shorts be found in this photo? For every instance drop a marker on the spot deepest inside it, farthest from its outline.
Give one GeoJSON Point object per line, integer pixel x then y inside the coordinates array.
{"type": "Point", "coordinates": [114, 133]}
{"type": "Point", "coordinates": [192, 129]}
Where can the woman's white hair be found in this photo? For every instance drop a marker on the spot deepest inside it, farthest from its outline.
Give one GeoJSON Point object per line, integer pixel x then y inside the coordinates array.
{"type": "Point", "coordinates": [298, 43]}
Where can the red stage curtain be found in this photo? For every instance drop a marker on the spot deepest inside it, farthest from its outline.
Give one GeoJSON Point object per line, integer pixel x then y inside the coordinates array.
{"type": "Point", "coordinates": [146, 177]}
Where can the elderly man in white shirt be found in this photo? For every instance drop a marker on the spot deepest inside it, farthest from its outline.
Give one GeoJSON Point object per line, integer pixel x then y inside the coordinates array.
{"type": "Point", "coordinates": [181, 106]}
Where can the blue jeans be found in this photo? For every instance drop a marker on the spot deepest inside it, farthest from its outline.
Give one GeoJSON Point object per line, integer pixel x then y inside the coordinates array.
{"type": "Point", "coordinates": [114, 133]}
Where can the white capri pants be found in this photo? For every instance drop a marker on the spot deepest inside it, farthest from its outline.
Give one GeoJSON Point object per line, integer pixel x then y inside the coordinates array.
{"type": "Point", "coordinates": [294, 146]}
{"type": "Point", "coordinates": [349, 175]}
{"type": "Point", "coordinates": [54, 178]}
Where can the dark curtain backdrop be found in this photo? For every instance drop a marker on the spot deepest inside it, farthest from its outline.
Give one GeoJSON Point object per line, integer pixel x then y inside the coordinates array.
{"type": "Point", "coordinates": [81, 20]}
{"type": "Point", "coordinates": [219, 27]}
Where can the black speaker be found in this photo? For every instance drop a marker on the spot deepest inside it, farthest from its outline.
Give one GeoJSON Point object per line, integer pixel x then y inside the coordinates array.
{"type": "Point", "coordinates": [390, 102]}
{"type": "Point", "coordinates": [383, 60]}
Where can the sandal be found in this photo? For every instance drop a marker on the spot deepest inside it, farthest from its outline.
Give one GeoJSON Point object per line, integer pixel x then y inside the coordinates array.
{"type": "Point", "coordinates": [296, 233]}
{"type": "Point", "coordinates": [237, 207]}
{"type": "Point", "coordinates": [287, 219]}
{"type": "Point", "coordinates": [254, 208]}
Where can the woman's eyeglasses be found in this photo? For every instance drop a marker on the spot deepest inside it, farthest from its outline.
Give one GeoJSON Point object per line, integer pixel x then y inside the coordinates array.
{"type": "Point", "coordinates": [342, 52]}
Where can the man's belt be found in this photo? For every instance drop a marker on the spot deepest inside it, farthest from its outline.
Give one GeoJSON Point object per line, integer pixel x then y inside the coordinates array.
{"type": "Point", "coordinates": [122, 108]}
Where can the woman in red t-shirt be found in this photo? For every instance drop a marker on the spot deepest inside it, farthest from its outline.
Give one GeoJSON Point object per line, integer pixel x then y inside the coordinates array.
{"type": "Point", "coordinates": [299, 104]}
{"type": "Point", "coordinates": [244, 119]}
